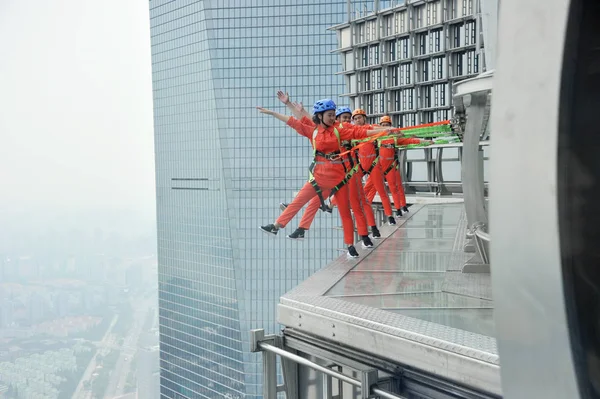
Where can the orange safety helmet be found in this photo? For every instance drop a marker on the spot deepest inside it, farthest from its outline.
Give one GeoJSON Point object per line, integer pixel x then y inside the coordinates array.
{"type": "Point", "coordinates": [359, 111]}
{"type": "Point", "coordinates": [385, 119]}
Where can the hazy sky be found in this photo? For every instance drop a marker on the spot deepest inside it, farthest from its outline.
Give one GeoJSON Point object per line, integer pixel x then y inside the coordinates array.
{"type": "Point", "coordinates": [75, 108]}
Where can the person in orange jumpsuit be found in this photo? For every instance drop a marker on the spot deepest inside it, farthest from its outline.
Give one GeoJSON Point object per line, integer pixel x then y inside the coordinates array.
{"type": "Point", "coordinates": [388, 155]}
{"type": "Point", "coordinates": [328, 170]}
{"type": "Point", "coordinates": [357, 203]}
{"type": "Point", "coordinates": [358, 199]}
{"type": "Point", "coordinates": [371, 167]}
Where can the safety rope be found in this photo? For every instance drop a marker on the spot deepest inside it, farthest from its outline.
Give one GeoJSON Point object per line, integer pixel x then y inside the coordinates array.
{"type": "Point", "coordinates": [441, 130]}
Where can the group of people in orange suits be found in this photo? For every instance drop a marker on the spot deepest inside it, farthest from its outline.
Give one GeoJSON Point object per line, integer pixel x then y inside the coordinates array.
{"type": "Point", "coordinates": [339, 168]}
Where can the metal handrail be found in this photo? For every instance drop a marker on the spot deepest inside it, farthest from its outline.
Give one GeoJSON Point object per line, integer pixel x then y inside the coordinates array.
{"type": "Point", "coordinates": [435, 182]}
{"type": "Point", "coordinates": [482, 234]}
{"type": "Point", "coordinates": [384, 394]}
{"type": "Point", "coordinates": [352, 381]}
{"type": "Point", "coordinates": [308, 363]}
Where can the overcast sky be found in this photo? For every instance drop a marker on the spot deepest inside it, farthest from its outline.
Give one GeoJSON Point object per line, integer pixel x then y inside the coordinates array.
{"type": "Point", "coordinates": [76, 129]}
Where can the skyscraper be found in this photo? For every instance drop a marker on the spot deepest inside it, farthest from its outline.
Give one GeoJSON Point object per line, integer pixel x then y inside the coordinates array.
{"type": "Point", "coordinates": [221, 171]}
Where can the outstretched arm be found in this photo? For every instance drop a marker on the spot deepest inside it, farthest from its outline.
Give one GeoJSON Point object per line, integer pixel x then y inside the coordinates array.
{"type": "Point", "coordinates": [376, 130]}
{"type": "Point", "coordinates": [281, 117]}
{"type": "Point", "coordinates": [292, 122]}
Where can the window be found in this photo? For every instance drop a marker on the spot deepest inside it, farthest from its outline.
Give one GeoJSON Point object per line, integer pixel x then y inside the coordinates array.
{"type": "Point", "coordinates": [456, 33]}
{"type": "Point", "coordinates": [365, 56]}
{"type": "Point", "coordinates": [458, 64]}
{"type": "Point", "coordinates": [361, 33]}
{"type": "Point", "coordinates": [437, 40]}
{"type": "Point", "coordinates": [419, 12]}
{"type": "Point", "coordinates": [374, 33]}
{"type": "Point", "coordinates": [453, 9]}
{"type": "Point", "coordinates": [469, 63]}
{"type": "Point", "coordinates": [396, 100]}
{"type": "Point", "coordinates": [367, 80]}
{"type": "Point", "coordinates": [437, 71]}
{"type": "Point", "coordinates": [369, 103]}
{"type": "Point", "coordinates": [439, 93]}
{"type": "Point", "coordinates": [423, 44]}
{"type": "Point", "coordinates": [403, 48]}
{"type": "Point", "coordinates": [405, 72]}
{"type": "Point", "coordinates": [429, 5]}
{"type": "Point", "coordinates": [424, 67]}
{"type": "Point", "coordinates": [394, 76]}
{"type": "Point", "coordinates": [377, 79]}
{"type": "Point", "coordinates": [470, 33]}
{"type": "Point", "coordinates": [378, 103]}
{"type": "Point", "coordinates": [426, 97]}
{"type": "Point", "coordinates": [428, 117]}
{"type": "Point", "coordinates": [391, 45]}
{"type": "Point", "coordinates": [388, 25]}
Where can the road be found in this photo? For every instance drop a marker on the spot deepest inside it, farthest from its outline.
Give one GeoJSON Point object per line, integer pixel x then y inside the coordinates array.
{"type": "Point", "coordinates": [118, 377]}
{"type": "Point", "coordinates": [87, 374]}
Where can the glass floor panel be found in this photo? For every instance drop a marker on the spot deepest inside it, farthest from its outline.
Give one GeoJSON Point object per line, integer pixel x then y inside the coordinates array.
{"type": "Point", "coordinates": [400, 243]}
{"type": "Point", "coordinates": [434, 300]}
{"type": "Point", "coordinates": [414, 273]}
{"type": "Point", "coordinates": [429, 233]}
{"type": "Point", "coordinates": [405, 261]}
{"type": "Point", "coordinates": [370, 283]}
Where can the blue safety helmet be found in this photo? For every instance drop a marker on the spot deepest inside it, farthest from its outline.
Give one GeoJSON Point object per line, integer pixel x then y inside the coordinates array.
{"type": "Point", "coordinates": [343, 110]}
{"type": "Point", "coordinates": [323, 105]}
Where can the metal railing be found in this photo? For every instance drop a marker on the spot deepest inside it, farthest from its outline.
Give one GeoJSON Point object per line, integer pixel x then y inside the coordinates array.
{"type": "Point", "coordinates": [433, 157]}
{"type": "Point", "coordinates": [270, 346]}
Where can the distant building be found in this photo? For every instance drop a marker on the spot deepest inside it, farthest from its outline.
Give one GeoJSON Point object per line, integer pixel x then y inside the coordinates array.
{"type": "Point", "coordinates": [148, 373]}
{"type": "Point", "coordinates": [7, 313]}
{"type": "Point", "coordinates": [37, 307]}
{"type": "Point", "coordinates": [61, 304]}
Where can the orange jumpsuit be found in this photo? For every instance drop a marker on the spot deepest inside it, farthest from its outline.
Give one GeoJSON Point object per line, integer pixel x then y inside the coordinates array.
{"type": "Point", "coordinates": [363, 213]}
{"type": "Point", "coordinates": [386, 157]}
{"type": "Point", "coordinates": [327, 173]}
{"type": "Point", "coordinates": [366, 154]}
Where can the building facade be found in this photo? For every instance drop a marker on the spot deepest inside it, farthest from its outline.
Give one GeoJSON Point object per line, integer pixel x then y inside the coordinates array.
{"type": "Point", "coordinates": [222, 168]}
{"type": "Point", "coordinates": [221, 171]}
{"type": "Point", "coordinates": [401, 58]}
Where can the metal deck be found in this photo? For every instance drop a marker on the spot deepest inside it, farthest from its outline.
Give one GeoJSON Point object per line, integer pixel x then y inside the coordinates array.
{"type": "Point", "coordinates": [407, 301]}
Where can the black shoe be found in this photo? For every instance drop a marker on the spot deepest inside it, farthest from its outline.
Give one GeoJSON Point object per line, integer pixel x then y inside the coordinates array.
{"type": "Point", "coordinates": [327, 209]}
{"type": "Point", "coordinates": [352, 252]}
{"type": "Point", "coordinates": [375, 232]}
{"type": "Point", "coordinates": [270, 228]}
{"type": "Point", "coordinates": [297, 235]}
{"type": "Point", "coordinates": [399, 213]}
{"type": "Point", "coordinates": [391, 221]}
{"type": "Point", "coordinates": [366, 242]}
{"type": "Point", "coordinates": [405, 209]}
{"type": "Point", "coordinates": [282, 206]}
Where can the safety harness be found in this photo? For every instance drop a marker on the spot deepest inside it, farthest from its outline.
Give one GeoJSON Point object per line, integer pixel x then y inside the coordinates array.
{"type": "Point", "coordinates": [332, 156]}
{"type": "Point", "coordinates": [373, 164]}
{"type": "Point", "coordinates": [396, 162]}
